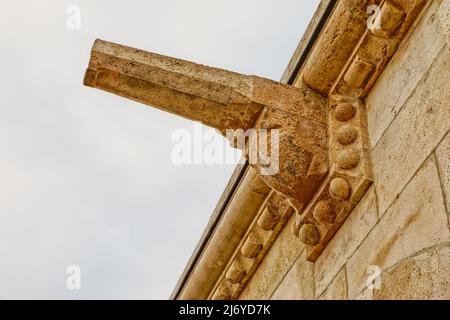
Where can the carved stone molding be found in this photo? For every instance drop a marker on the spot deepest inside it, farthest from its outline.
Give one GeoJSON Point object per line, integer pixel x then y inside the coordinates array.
{"type": "Point", "coordinates": [226, 101]}
{"type": "Point", "coordinates": [324, 153]}
{"type": "Point", "coordinates": [350, 169]}
{"type": "Point", "coordinates": [376, 46]}
{"type": "Point", "coordinates": [267, 224]}
{"type": "Point", "coordinates": [349, 178]}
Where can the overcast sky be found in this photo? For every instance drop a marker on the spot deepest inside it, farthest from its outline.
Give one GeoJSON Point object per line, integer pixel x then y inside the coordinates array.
{"type": "Point", "coordinates": [86, 177]}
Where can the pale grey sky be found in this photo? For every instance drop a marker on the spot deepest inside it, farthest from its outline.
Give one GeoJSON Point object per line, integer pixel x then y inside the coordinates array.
{"type": "Point", "coordinates": [86, 177]}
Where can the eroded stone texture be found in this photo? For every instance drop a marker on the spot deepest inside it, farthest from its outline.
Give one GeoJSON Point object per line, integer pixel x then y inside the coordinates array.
{"type": "Point", "coordinates": [239, 277]}
{"type": "Point", "coordinates": [337, 290]}
{"type": "Point", "coordinates": [348, 159]}
{"type": "Point", "coordinates": [444, 17]}
{"type": "Point", "coordinates": [414, 134]}
{"type": "Point", "coordinates": [309, 234]}
{"type": "Point", "coordinates": [344, 111]}
{"type": "Point", "coordinates": [358, 72]}
{"type": "Point", "coordinates": [347, 134]}
{"type": "Point", "coordinates": [349, 179]}
{"type": "Point", "coordinates": [340, 37]}
{"type": "Point", "coordinates": [443, 160]}
{"type": "Point", "coordinates": [269, 218]}
{"type": "Point", "coordinates": [417, 220]}
{"type": "Point", "coordinates": [277, 262]}
{"type": "Point", "coordinates": [222, 293]}
{"type": "Point", "coordinates": [414, 88]}
{"type": "Point", "coordinates": [376, 48]}
{"type": "Point", "coordinates": [367, 294]}
{"type": "Point", "coordinates": [298, 283]}
{"type": "Point", "coordinates": [324, 212]}
{"type": "Point", "coordinates": [388, 20]}
{"type": "Point", "coordinates": [252, 246]}
{"type": "Point", "coordinates": [225, 100]}
{"type": "Point", "coordinates": [339, 189]}
{"type": "Point", "coordinates": [235, 273]}
{"type": "Point", "coordinates": [403, 73]}
{"type": "Point", "coordinates": [347, 239]}
{"type": "Point", "coordinates": [425, 276]}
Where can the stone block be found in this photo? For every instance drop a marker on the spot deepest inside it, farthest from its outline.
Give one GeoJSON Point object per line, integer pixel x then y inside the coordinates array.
{"type": "Point", "coordinates": [337, 290]}
{"type": "Point", "coordinates": [443, 160]}
{"type": "Point", "coordinates": [414, 134]}
{"type": "Point", "coordinates": [403, 73]}
{"type": "Point", "coordinates": [347, 239]}
{"type": "Point", "coordinates": [425, 276]}
{"type": "Point", "coordinates": [444, 17]}
{"type": "Point", "coordinates": [417, 220]}
{"type": "Point", "coordinates": [367, 294]}
{"type": "Point", "coordinates": [277, 262]}
{"type": "Point", "coordinates": [298, 283]}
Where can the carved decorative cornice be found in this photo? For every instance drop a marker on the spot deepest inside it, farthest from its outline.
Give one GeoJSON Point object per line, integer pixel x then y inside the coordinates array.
{"type": "Point", "coordinates": [325, 164]}
{"type": "Point", "coordinates": [350, 169]}
{"type": "Point", "coordinates": [267, 224]}
{"type": "Point", "coordinates": [229, 102]}
{"type": "Point", "coordinates": [360, 56]}
{"type": "Point", "coordinates": [235, 213]}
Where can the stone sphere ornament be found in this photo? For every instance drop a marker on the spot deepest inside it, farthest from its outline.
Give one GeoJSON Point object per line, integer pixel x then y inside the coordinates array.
{"type": "Point", "coordinates": [339, 189]}
{"type": "Point", "coordinates": [309, 234]}
{"type": "Point", "coordinates": [348, 159]}
{"type": "Point", "coordinates": [344, 111]}
{"type": "Point", "coordinates": [347, 134]}
{"type": "Point", "coordinates": [323, 212]}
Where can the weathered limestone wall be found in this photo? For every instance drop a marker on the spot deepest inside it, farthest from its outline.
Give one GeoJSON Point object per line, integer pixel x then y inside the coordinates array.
{"type": "Point", "coordinates": [402, 223]}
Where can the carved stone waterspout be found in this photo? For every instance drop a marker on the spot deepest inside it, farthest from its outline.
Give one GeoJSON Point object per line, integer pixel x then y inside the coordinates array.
{"type": "Point", "coordinates": [226, 100]}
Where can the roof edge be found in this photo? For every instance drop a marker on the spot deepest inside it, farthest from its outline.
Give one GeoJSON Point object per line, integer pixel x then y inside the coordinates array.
{"type": "Point", "coordinates": [293, 69]}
